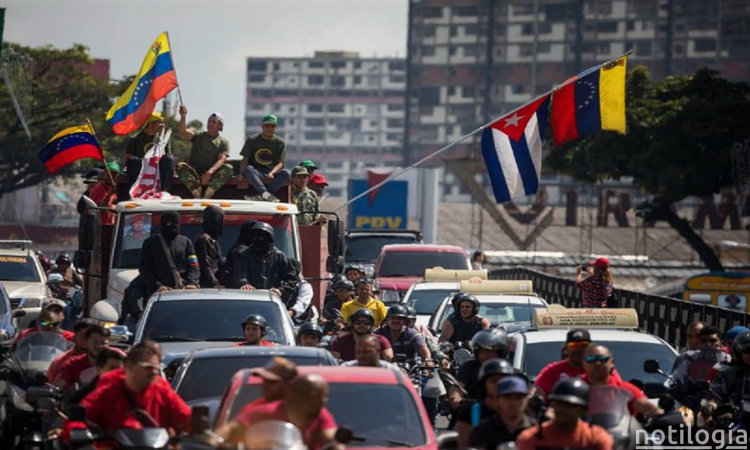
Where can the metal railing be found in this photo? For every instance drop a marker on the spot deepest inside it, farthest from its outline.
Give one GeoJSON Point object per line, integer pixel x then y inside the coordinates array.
{"type": "Point", "coordinates": [665, 317]}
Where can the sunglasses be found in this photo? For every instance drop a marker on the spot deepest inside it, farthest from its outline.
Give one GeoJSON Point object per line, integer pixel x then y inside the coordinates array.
{"type": "Point", "coordinates": [49, 323]}
{"type": "Point", "coordinates": [578, 345]}
{"type": "Point", "coordinates": [361, 322]}
{"type": "Point", "coordinates": [597, 358]}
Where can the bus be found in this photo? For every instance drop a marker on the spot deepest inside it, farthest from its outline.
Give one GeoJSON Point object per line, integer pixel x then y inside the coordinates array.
{"type": "Point", "coordinates": [724, 289]}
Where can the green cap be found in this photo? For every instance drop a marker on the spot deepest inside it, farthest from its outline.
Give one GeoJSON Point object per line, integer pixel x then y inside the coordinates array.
{"type": "Point", "coordinates": [270, 118]}
{"type": "Point", "coordinates": [299, 170]}
{"type": "Point", "coordinates": [308, 163]}
{"type": "Point", "coordinates": [113, 167]}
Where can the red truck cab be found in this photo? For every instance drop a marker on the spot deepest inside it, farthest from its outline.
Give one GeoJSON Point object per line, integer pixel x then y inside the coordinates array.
{"type": "Point", "coordinates": [399, 266]}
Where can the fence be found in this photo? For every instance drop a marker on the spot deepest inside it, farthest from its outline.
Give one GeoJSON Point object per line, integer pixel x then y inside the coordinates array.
{"type": "Point", "coordinates": [665, 317]}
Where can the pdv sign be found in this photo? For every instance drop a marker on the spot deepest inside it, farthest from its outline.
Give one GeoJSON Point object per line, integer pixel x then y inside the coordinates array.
{"type": "Point", "coordinates": [384, 208]}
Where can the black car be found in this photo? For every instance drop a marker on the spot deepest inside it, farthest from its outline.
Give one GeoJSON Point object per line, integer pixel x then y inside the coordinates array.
{"type": "Point", "coordinates": [204, 374]}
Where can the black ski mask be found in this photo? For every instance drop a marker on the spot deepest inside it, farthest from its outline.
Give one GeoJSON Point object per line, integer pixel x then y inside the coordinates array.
{"type": "Point", "coordinates": [213, 221]}
{"type": "Point", "coordinates": [170, 225]}
{"type": "Point", "coordinates": [261, 238]}
{"type": "Point", "coordinates": [246, 231]}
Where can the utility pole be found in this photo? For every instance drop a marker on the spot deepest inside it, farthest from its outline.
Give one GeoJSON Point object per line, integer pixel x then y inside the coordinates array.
{"type": "Point", "coordinates": [2, 22]}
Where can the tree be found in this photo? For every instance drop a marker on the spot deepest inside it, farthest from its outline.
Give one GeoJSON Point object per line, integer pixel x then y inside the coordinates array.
{"type": "Point", "coordinates": [58, 93]}
{"type": "Point", "coordinates": [681, 131]}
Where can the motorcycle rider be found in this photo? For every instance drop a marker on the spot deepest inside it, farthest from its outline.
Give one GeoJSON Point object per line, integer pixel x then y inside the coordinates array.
{"type": "Point", "coordinates": [465, 321]}
{"type": "Point", "coordinates": [79, 348]}
{"type": "Point", "coordinates": [64, 267]}
{"type": "Point", "coordinates": [364, 299]}
{"type": "Point", "coordinates": [353, 273]}
{"type": "Point", "coordinates": [254, 328]}
{"type": "Point", "coordinates": [207, 247]}
{"type": "Point", "coordinates": [569, 399]}
{"type": "Point", "coordinates": [404, 340]}
{"type": "Point", "coordinates": [107, 360]}
{"type": "Point", "coordinates": [309, 334]}
{"type": "Point", "coordinates": [487, 344]}
{"type": "Point", "coordinates": [343, 291]}
{"type": "Point", "coordinates": [138, 386]}
{"type": "Point", "coordinates": [696, 365]}
{"type": "Point", "coordinates": [362, 323]}
{"type": "Point", "coordinates": [367, 354]}
{"type": "Point", "coordinates": [263, 266]}
{"type": "Point", "coordinates": [49, 321]}
{"type": "Point", "coordinates": [510, 418]}
{"type": "Point", "coordinates": [81, 368]}
{"type": "Point", "coordinates": [599, 364]}
{"type": "Point", "coordinates": [693, 337]}
{"type": "Point", "coordinates": [731, 385]}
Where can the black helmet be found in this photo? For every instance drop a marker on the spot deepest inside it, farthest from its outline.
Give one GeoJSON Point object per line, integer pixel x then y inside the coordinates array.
{"type": "Point", "coordinates": [343, 284]}
{"type": "Point", "coordinates": [365, 280]}
{"type": "Point", "coordinates": [262, 226]}
{"type": "Point", "coordinates": [310, 328]}
{"type": "Point", "coordinates": [495, 366]}
{"type": "Point", "coordinates": [397, 311]}
{"type": "Point", "coordinates": [412, 313]}
{"type": "Point", "coordinates": [461, 297]}
{"type": "Point", "coordinates": [257, 319]}
{"type": "Point", "coordinates": [356, 267]}
{"type": "Point", "coordinates": [360, 313]}
{"type": "Point", "coordinates": [64, 258]}
{"type": "Point", "coordinates": [741, 344]}
{"type": "Point", "coordinates": [570, 390]}
{"type": "Point", "coordinates": [496, 340]}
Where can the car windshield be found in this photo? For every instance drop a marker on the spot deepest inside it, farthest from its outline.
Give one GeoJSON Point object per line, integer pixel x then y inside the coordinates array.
{"type": "Point", "coordinates": [213, 319]}
{"type": "Point", "coordinates": [629, 357]}
{"type": "Point", "coordinates": [399, 264]}
{"type": "Point", "coordinates": [427, 301]}
{"type": "Point", "coordinates": [135, 228]}
{"type": "Point", "coordinates": [220, 370]}
{"type": "Point", "coordinates": [498, 313]}
{"type": "Point", "coordinates": [18, 268]}
{"type": "Point", "coordinates": [365, 249]}
{"type": "Point", "coordinates": [381, 412]}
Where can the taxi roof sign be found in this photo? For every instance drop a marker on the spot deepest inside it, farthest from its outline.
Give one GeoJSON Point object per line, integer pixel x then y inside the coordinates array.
{"type": "Point", "coordinates": [475, 285]}
{"type": "Point", "coordinates": [557, 316]}
{"type": "Point", "coordinates": [440, 274]}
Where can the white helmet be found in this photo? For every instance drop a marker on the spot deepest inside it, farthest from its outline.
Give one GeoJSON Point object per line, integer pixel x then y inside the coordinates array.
{"type": "Point", "coordinates": [104, 312]}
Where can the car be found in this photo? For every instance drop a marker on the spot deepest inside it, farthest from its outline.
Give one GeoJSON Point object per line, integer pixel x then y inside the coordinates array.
{"type": "Point", "coordinates": [534, 348]}
{"type": "Point", "coordinates": [181, 320]}
{"type": "Point", "coordinates": [363, 246]}
{"type": "Point", "coordinates": [23, 278]}
{"type": "Point", "coordinates": [7, 327]}
{"type": "Point", "coordinates": [426, 296]}
{"type": "Point", "coordinates": [502, 302]}
{"type": "Point", "coordinates": [379, 405]}
{"type": "Point", "coordinates": [401, 265]}
{"type": "Point", "coordinates": [219, 364]}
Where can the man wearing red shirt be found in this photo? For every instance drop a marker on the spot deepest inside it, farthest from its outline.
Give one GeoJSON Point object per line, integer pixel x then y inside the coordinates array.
{"type": "Point", "coordinates": [599, 366]}
{"type": "Point", "coordinates": [119, 393]}
{"type": "Point", "coordinates": [79, 348]}
{"type": "Point", "coordinates": [254, 328]}
{"type": "Point", "coordinates": [81, 367]}
{"type": "Point", "coordinates": [304, 407]}
{"type": "Point", "coordinates": [49, 321]}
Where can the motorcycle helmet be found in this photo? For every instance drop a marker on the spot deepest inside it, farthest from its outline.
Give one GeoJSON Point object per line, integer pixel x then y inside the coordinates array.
{"type": "Point", "coordinates": [343, 284]}
{"type": "Point", "coordinates": [412, 313]}
{"type": "Point", "coordinates": [64, 258]}
{"type": "Point", "coordinates": [362, 313]}
{"type": "Point", "coordinates": [263, 227]}
{"type": "Point", "coordinates": [460, 298]}
{"type": "Point", "coordinates": [356, 267]}
{"type": "Point", "coordinates": [740, 345]}
{"type": "Point", "coordinates": [310, 328]}
{"type": "Point", "coordinates": [496, 340]}
{"type": "Point", "coordinates": [257, 319]}
{"type": "Point", "coordinates": [570, 390]}
{"type": "Point", "coordinates": [495, 366]}
{"type": "Point", "coordinates": [733, 332]}
{"type": "Point", "coordinates": [397, 311]}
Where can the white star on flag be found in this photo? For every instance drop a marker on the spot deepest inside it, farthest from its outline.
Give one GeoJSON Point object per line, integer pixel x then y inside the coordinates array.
{"type": "Point", "coordinates": [513, 120]}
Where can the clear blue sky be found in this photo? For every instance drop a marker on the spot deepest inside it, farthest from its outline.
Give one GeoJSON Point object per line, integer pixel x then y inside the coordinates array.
{"type": "Point", "coordinates": [210, 39]}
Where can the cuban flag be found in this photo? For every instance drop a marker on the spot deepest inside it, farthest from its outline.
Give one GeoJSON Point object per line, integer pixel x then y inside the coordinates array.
{"type": "Point", "coordinates": [512, 150]}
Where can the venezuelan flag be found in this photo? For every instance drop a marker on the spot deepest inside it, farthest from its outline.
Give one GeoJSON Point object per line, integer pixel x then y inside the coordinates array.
{"type": "Point", "coordinates": [156, 79]}
{"type": "Point", "coordinates": [592, 101]}
{"type": "Point", "coordinates": [69, 145]}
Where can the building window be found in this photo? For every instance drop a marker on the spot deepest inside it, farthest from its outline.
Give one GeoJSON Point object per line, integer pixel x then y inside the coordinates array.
{"type": "Point", "coordinates": [292, 109]}
{"type": "Point", "coordinates": [544, 27]}
{"type": "Point", "coordinates": [465, 11]}
{"type": "Point", "coordinates": [630, 25]}
{"type": "Point", "coordinates": [314, 135]}
{"type": "Point", "coordinates": [468, 91]}
{"type": "Point", "coordinates": [432, 13]}
{"type": "Point", "coordinates": [314, 107]}
{"type": "Point", "coordinates": [256, 78]}
{"type": "Point", "coordinates": [518, 89]}
{"type": "Point", "coordinates": [428, 50]}
{"type": "Point", "coordinates": [679, 49]}
{"type": "Point", "coordinates": [257, 106]}
{"type": "Point", "coordinates": [523, 9]}
{"type": "Point", "coordinates": [394, 123]}
{"type": "Point", "coordinates": [526, 49]}
{"type": "Point", "coordinates": [397, 78]}
{"type": "Point", "coordinates": [338, 64]}
{"type": "Point", "coordinates": [338, 81]}
{"type": "Point", "coordinates": [315, 65]}
{"type": "Point", "coordinates": [336, 108]}
{"type": "Point", "coordinates": [603, 48]}
{"type": "Point", "coordinates": [527, 29]}
{"type": "Point", "coordinates": [314, 122]}
{"type": "Point", "coordinates": [395, 66]}
{"type": "Point", "coordinates": [554, 12]}
{"type": "Point", "coordinates": [257, 66]}
{"type": "Point", "coordinates": [643, 48]}
{"type": "Point", "coordinates": [606, 27]}
{"type": "Point", "coordinates": [705, 45]}
{"type": "Point", "coordinates": [315, 80]}
{"type": "Point", "coordinates": [470, 50]}
{"type": "Point", "coordinates": [543, 47]}
{"type": "Point", "coordinates": [395, 107]}
{"type": "Point", "coordinates": [470, 29]}
{"type": "Point", "coordinates": [599, 7]}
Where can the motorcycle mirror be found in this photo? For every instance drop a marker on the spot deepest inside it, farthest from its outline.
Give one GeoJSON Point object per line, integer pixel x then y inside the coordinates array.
{"type": "Point", "coordinates": [651, 366]}
{"type": "Point", "coordinates": [36, 393]}
{"type": "Point", "coordinates": [344, 435]}
{"type": "Point", "coordinates": [19, 313]}
{"type": "Point", "coordinates": [80, 437]}
{"type": "Point", "coordinates": [119, 333]}
{"type": "Point", "coordinates": [47, 404]}
{"type": "Point", "coordinates": [199, 419]}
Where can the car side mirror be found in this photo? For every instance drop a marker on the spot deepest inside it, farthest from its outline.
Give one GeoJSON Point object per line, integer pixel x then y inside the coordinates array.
{"type": "Point", "coordinates": [120, 333]}
{"type": "Point", "coordinates": [19, 313]}
{"type": "Point", "coordinates": [651, 366]}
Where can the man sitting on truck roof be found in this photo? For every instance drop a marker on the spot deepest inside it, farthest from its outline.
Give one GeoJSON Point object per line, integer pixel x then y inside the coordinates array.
{"type": "Point", "coordinates": [207, 166]}
{"type": "Point", "coordinates": [262, 162]}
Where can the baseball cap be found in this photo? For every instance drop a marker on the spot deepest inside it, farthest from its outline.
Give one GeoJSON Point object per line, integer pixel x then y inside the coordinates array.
{"type": "Point", "coordinates": [113, 167]}
{"type": "Point", "coordinates": [270, 118]}
{"type": "Point", "coordinates": [217, 116]}
{"type": "Point", "coordinates": [578, 335]}
{"type": "Point", "coordinates": [155, 117]}
{"type": "Point", "coordinates": [308, 163]}
{"type": "Point", "coordinates": [277, 369]}
{"type": "Point", "coordinates": [511, 385]}
{"type": "Point", "coordinates": [600, 263]}
{"type": "Point", "coordinates": [318, 178]}
{"type": "Point", "coordinates": [734, 332]}
{"type": "Point", "coordinates": [299, 170]}
{"type": "Point", "coordinates": [53, 302]}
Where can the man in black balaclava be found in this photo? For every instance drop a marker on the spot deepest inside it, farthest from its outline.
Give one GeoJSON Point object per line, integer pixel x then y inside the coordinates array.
{"type": "Point", "coordinates": [228, 269]}
{"type": "Point", "coordinates": [156, 269]}
{"type": "Point", "coordinates": [263, 266]}
{"type": "Point", "coordinates": [207, 246]}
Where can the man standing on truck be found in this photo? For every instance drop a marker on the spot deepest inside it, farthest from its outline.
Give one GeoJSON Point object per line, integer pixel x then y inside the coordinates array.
{"type": "Point", "coordinates": [137, 147]}
{"type": "Point", "coordinates": [207, 246]}
{"type": "Point", "coordinates": [305, 199]}
{"type": "Point", "coordinates": [262, 162]}
{"type": "Point", "coordinates": [207, 166]}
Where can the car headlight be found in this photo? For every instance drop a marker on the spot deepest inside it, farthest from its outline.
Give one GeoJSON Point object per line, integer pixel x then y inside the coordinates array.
{"type": "Point", "coordinates": [390, 296]}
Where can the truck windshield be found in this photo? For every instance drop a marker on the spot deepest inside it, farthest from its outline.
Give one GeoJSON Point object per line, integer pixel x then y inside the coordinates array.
{"type": "Point", "coordinates": [365, 249]}
{"type": "Point", "coordinates": [18, 268]}
{"type": "Point", "coordinates": [135, 228]}
{"type": "Point", "coordinates": [400, 264]}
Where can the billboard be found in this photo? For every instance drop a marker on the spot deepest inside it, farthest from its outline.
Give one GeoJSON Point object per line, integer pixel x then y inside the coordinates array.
{"type": "Point", "coordinates": [384, 208]}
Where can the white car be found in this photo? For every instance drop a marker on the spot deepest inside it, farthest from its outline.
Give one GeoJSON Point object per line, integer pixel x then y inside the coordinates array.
{"type": "Point", "coordinates": [533, 349]}
{"type": "Point", "coordinates": [427, 296]}
{"type": "Point", "coordinates": [23, 278]}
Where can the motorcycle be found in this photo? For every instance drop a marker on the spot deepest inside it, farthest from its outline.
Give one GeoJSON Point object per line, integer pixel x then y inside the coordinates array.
{"type": "Point", "coordinates": [608, 408]}
{"type": "Point", "coordinates": [26, 368]}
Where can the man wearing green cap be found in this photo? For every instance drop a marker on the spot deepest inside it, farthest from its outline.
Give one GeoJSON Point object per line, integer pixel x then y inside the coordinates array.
{"type": "Point", "coordinates": [305, 199]}
{"type": "Point", "coordinates": [103, 192]}
{"type": "Point", "coordinates": [309, 165]}
{"type": "Point", "coordinates": [137, 146]}
{"type": "Point", "coordinates": [263, 160]}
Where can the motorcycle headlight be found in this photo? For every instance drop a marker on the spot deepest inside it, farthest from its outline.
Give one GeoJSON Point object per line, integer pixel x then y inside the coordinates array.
{"type": "Point", "coordinates": [4, 336]}
{"type": "Point", "coordinates": [18, 398]}
{"type": "Point", "coordinates": [389, 296]}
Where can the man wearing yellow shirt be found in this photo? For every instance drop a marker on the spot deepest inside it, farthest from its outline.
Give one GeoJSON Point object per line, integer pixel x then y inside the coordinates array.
{"type": "Point", "coordinates": [364, 299]}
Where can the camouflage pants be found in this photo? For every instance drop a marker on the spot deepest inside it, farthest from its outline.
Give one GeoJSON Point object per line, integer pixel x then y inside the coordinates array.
{"type": "Point", "coordinates": [192, 180]}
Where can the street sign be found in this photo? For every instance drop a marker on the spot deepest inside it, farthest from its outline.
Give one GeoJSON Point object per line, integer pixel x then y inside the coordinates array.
{"type": "Point", "coordinates": [384, 208]}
